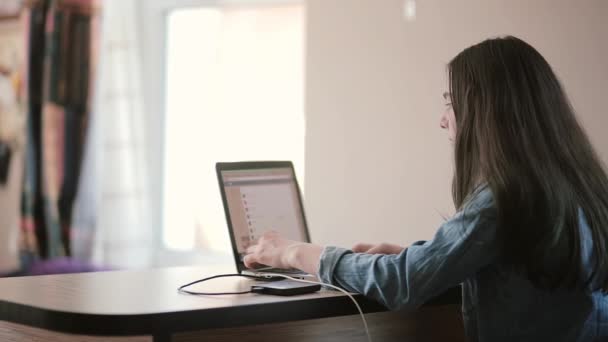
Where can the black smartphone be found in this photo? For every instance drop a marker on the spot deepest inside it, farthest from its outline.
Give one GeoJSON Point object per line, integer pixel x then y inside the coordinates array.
{"type": "Point", "coordinates": [285, 288]}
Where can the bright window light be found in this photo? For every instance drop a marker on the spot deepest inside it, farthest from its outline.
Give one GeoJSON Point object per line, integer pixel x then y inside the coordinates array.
{"type": "Point", "coordinates": [235, 77]}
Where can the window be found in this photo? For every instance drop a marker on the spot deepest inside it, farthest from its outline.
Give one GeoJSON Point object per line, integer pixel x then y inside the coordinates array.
{"type": "Point", "coordinates": [234, 91]}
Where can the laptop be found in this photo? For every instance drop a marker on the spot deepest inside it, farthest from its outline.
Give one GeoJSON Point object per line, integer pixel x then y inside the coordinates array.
{"type": "Point", "coordinates": [259, 196]}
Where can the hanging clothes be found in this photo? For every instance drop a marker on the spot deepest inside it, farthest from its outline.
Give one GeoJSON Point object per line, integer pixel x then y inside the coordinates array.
{"type": "Point", "coordinates": [60, 69]}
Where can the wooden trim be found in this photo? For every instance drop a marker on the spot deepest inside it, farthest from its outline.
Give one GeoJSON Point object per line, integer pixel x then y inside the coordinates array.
{"type": "Point", "coordinates": [9, 17]}
{"type": "Point", "coordinates": [72, 6]}
{"type": "Point", "coordinates": [12, 332]}
{"type": "Point", "coordinates": [223, 317]}
{"type": "Point", "coordinates": [428, 324]}
{"type": "Point", "coordinates": [417, 326]}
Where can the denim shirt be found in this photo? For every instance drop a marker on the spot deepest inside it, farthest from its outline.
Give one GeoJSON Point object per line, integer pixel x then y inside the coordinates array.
{"type": "Point", "coordinates": [497, 303]}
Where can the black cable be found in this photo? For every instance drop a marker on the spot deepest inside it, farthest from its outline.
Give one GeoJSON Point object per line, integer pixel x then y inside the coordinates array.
{"type": "Point", "coordinates": [181, 288]}
{"type": "Point", "coordinates": [271, 277]}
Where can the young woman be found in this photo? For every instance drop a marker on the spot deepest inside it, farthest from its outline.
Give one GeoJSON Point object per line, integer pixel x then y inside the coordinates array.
{"type": "Point", "coordinates": [529, 241]}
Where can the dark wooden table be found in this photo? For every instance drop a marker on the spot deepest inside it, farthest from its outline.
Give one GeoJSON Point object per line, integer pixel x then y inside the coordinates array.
{"type": "Point", "coordinates": [145, 305]}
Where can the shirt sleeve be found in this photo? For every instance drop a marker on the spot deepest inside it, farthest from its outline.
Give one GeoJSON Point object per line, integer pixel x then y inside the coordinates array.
{"type": "Point", "coordinates": [461, 247]}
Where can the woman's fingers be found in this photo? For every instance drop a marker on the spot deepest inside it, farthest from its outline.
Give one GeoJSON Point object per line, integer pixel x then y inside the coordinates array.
{"type": "Point", "coordinates": [385, 248]}
{"type": "Point", "coordinates": [378, 249]}
{"type": "Point", "coordinates": [382, 248]}
{"type": "Point", "coordinates": [252, 249]}
{"type": "Point", "coordinates": [362, 247]}
{"type": "Point", "coordinates": [250, 261]}
{"type": "Point", "coordinates": [271, 250]}
{"type": "Point", "coordinates": [260, 252]}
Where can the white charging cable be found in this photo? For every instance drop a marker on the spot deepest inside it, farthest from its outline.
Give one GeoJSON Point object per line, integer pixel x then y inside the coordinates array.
{"type": "Point", "coordinates": [369, 337]}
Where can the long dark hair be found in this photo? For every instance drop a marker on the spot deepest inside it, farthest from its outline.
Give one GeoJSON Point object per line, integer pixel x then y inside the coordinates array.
{"type": "Point", "coordinates": [517, 133]}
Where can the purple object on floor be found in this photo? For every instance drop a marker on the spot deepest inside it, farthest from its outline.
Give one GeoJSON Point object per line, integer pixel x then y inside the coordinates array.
{"type": "Point", "coordinates": [62, 265]}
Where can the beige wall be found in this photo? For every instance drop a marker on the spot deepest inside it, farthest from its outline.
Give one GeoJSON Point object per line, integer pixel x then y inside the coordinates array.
{"type": "Point", "coordinates": [378, 168]}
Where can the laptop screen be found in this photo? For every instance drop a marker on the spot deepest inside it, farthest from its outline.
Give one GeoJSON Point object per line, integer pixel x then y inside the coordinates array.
{"type": "Point", "coordinates": [260, 200]}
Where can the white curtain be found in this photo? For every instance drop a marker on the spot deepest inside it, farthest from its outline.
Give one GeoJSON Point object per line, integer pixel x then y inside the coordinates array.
{"type": "Point", "coordinates": [110, 222]}
{"type": "Point", "coordinates": [251, 53]}
{"type": "Point", "coordinates": [12, 132]}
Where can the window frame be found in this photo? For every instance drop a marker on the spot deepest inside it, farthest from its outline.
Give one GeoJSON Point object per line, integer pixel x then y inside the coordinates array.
{"type": "Point", "coordinates": [153, 29]}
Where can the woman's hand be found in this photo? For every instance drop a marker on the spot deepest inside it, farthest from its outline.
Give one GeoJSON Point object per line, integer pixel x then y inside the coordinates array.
{"type": "Point", "coordinates": [383, 248]}
{"type": "Point", "coordinates": [274, 250]}
{"type": "Point", "coordinates": [270, 250]}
